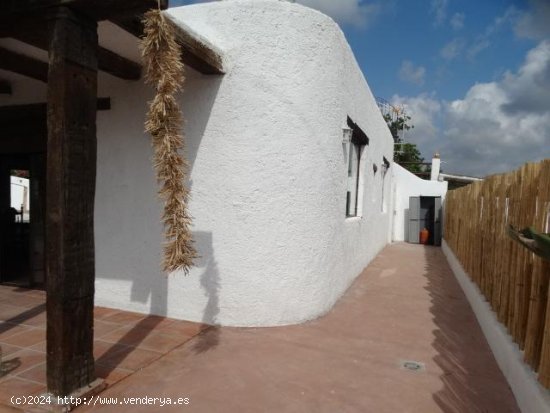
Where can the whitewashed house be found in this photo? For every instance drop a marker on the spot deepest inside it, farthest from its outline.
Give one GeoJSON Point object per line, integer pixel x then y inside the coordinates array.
{"type": "Point", "coordinates": [269, 175]}
{"type": "Point", "coordinates": [290, 170]}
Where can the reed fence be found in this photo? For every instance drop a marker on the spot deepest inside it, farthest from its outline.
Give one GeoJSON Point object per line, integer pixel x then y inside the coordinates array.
{"type": "Point", "coordinates": [514, 280]}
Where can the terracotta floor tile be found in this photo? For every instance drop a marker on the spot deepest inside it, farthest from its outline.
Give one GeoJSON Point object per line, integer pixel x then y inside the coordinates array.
{"type": "Point", "coordinates": [130, 359]}
{"type": "Point", "coordinates": [23, 360]}
{"type": "Point", "coordinates": [38, 320]}
{"type": "Point", "coordinates": [41, 346]}
{"type": "Point", "coordinates": [102, 312]}
{"type": "Point", "coordinates": [111, 375]}
{"type": "Point", "coordinates": [135, 336]}
{"type": "Point", "coordinates": [8, 409]}
{"type": "Point", "coordinates": [27, 301]}
{"type": "Point", "coordinates": [7, 349]}
{"type": "Point", "coordinates": [36, 373]}
{"type": "Point", "coordinates": [102, 328]}
{"type": "Point", "coordinates": [123, 317]}
{"type": "Point", "coordinates": [8, 312]}
{"type": "Point", "coordinates": [154, 322]}
{"type": "Point", "coordinates": [104, 349]}
{"type": "Point", "coordinates": [15, 386]}
{"type": "Point", "coordinates": [8, 330]}
{"type": "Point", "coordinates": [27, 338]}
{"type": "Point", "coordinates": [161, 342]}
{"type": "Point", "coordinates": [182, 329]}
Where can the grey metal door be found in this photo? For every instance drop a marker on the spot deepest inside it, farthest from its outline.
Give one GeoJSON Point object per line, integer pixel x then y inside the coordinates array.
{"type": "Point", "coordinates": [414, 219]}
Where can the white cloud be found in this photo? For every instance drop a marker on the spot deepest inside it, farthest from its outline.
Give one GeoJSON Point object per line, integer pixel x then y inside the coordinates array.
{"type": "Point", "coordinates": [528, 90]}
{"type": "Point", "coordinates": [411, 73]}
{"type": "Point", "coordinates": [457, 21]}
{"type": "Point", "coordinates": [535, 23]}
{"type": "Point", "coordinates": [496, 127]}
{"type": "Point", "coordinates": [424, 111]}
{"type": "Point", "coordinates": [479, 45]}
{"type": "Point", "coordinates": [452, 49]}
{"type": "Point", "coordinates": [358, 13]}
{"type": "Point", "coordinates": [439, 10]}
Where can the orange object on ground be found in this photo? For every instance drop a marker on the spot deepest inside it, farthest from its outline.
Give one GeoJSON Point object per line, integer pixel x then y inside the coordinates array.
{"type": "Point", "coordinates": [424, 234]}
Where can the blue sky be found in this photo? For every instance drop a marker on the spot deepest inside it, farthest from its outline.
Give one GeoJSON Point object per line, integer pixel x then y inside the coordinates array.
{"type": "Point", "coordinates": [473, 74]}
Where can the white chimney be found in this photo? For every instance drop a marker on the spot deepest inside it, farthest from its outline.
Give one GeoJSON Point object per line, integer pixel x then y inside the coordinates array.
{"type": "Point", "coordinates": [436, 166]}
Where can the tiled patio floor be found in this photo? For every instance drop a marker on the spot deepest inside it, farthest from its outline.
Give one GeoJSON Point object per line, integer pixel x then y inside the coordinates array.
{"type": "Point", "coordinates": [124, 342]}
{"type": "Point", "coordinates": [406, 306]}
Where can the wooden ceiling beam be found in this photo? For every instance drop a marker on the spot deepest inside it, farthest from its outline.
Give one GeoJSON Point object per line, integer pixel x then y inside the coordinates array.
{"type": "Point", "coordinates": [98, 9]}
{"type": "Point", "coordinates": [5, 87]}
{"type": "Point", "coordinates": [26, 20]}
{"type": "Point", "coordinates": [117, 65]}
{"type": "Point", "coordinates": [18, 114]}
{"type": "Point", "coordinates": [196, 52]}
{"type": "Point", "coordinates": [23, 65]}
{"type": "Point", "coordinates": [108, 61]}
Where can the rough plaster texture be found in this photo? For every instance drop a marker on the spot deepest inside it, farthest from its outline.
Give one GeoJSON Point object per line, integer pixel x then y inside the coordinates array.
{"type": "Point", "coordinates": [268, 174]}
{"type": "Point", "coordinates": [530, 395]}
{"type": "Point", "coordinates": [405, 185]}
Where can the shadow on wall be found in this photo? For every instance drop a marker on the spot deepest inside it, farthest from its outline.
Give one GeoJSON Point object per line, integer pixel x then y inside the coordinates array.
{"type": "Point", "coordinates": [206, 340]}
{"type": "Point", "coordinates": [130, 248]}
{"type": "Point", "coordinates": [210, 282]}
{"type": "Point", "coordinates": [461, 347]}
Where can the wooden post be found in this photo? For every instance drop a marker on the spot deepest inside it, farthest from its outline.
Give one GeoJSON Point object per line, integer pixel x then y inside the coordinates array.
{"type": "Point", "coordinates": [71, 172]}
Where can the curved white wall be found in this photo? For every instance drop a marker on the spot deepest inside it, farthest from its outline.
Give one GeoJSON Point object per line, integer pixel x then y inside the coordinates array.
{"type": "Point", "coordinates": [268, 174]}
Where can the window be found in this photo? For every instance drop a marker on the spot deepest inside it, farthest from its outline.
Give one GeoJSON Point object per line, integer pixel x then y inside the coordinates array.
{"type": "Point", "coordinates": [385, 167]}
{"type": "Point", "coordinates": [355, 148]}
{"type": "Point", "coordinates": [354, 157]}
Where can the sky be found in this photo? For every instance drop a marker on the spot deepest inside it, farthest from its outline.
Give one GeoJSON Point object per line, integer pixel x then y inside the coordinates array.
{"type": "Point", "coordinates": [474, 75]}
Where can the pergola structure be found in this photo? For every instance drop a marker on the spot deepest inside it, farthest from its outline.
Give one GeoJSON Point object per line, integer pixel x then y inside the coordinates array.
{"type": "Point", "coordinates": [67, 29]}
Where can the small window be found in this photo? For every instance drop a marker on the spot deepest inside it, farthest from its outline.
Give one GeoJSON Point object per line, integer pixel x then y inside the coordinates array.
{"type": "Point", "coordinates": [354, 158]}
{"type": "Point", "coordinates": [355, 148]}
{"type": "Point", "coordinates": [385, 168]}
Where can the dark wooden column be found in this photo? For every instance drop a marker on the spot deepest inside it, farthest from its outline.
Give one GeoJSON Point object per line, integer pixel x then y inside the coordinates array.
{"type": "Point", "coordinates": [71, 172]}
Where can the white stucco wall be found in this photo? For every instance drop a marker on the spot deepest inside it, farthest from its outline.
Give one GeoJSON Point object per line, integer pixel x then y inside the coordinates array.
{"type": "Point", "coordinates": [268, 174]}
{"type": "Point", "coordinates": [405, 185]}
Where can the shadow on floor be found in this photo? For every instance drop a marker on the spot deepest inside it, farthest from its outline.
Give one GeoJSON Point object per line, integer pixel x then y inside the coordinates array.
{"type": "Point", "coordinates": [457, 334]}
{"type": "Point", "coordinates": [22, 317]}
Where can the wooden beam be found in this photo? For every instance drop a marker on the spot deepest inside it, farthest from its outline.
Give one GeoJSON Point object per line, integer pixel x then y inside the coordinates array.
{"type": "Point", "coordinates": [98, 9]}
{"type": "Point", "coordinates": [14, 114]}
{"type": "Point", "coordinates": [117, 65]}
{"type": "Point", "coordinates": [108, 61]}
{"type": "Point", "coordinates": [24, 65]}
{"type": "Point", "coordinates": [71, 175]}
{"type": "Point", "coordinates": [5, 87]}
{"type": "Point", "coordinates": [196, 52]}
{"type": "Point", "coordinates": [131, 24]}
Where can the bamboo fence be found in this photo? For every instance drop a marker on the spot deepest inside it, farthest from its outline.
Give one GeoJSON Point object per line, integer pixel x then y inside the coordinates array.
{"type": "Point", "coordinates": [514, 280]}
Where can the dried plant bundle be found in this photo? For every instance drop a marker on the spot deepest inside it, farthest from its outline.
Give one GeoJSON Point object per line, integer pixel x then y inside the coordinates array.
{"type": "Point", "coordinates": [164, 70]}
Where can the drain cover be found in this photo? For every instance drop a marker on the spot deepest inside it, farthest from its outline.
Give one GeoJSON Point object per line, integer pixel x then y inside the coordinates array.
{"type": "Point", "coordinates": [412, 365]}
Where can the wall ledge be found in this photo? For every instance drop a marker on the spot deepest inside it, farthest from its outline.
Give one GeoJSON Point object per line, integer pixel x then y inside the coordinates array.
{"type": "Point", "coordinates": [530, 395]}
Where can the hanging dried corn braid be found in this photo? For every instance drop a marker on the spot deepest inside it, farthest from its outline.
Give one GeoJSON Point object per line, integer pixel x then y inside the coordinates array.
{"type": "Point", "coordinates": [164, 70]}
